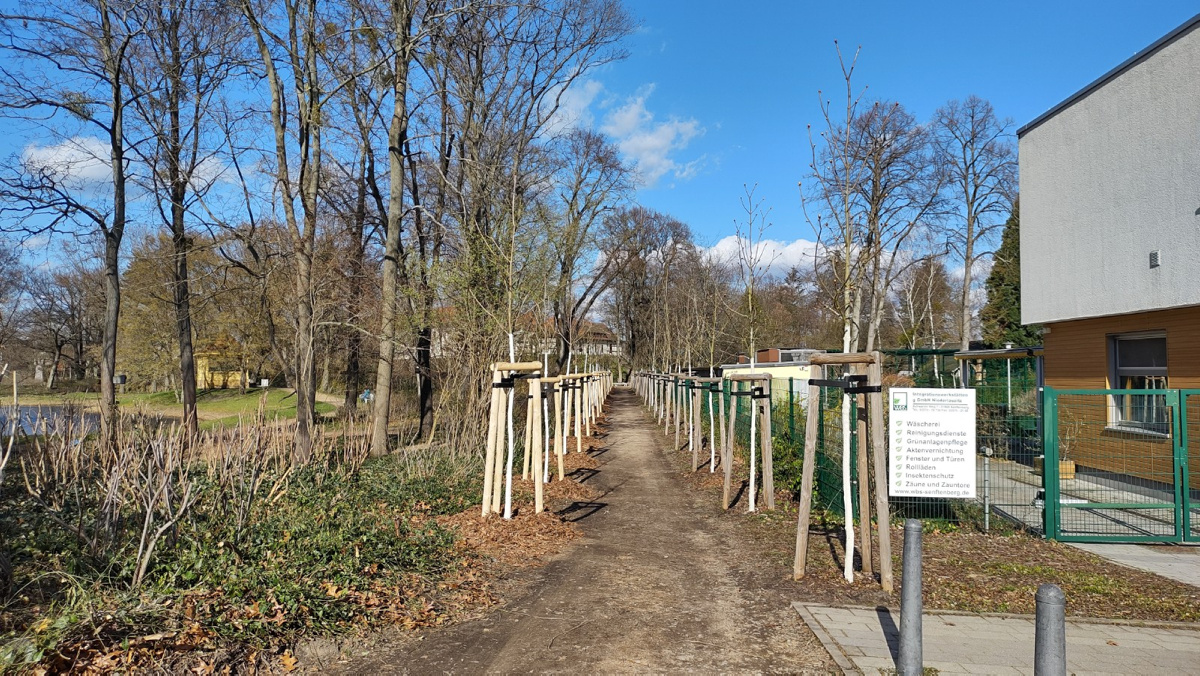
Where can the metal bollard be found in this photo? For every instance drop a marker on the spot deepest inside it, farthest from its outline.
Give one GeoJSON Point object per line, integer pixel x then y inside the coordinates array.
{"type": "Point", "coordinates": [911, 662]}
{"type": "Point", "coordinates": [1050, 639]}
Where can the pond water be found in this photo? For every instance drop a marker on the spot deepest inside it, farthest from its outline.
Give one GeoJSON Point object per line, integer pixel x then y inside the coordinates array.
{"type": "Point", "coordinates": [55, 417]}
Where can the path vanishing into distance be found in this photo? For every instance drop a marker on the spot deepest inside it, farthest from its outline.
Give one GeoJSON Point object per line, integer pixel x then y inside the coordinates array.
{"type": "Point", "coordinates": [659, 582]}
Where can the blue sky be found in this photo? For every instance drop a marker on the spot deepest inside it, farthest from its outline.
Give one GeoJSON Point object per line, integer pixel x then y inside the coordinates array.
{"type": "Point", "coordinates": [718, 94]}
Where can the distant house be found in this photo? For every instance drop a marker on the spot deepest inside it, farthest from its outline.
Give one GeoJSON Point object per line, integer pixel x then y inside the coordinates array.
{"type": "Point", "coordinates": [781, 364]}
{"type": "Point", "coordinates": [219, 365]}
{"type": "Point", "coordinates": [534, 336]}
{"type": "Point", "coordinates": [595, 338]}
{"type": "Point", "coordinates": [1110, 243]}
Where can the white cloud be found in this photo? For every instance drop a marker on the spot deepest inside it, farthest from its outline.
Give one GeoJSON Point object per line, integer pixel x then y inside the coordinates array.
{"type": "Point", "coordinates": [211, 170]}
{"type": "Point", "coordinates": [574, 107]}
{"type": "Point", "coordinates": [980, 269]}
{"type": "Point", "coordinates": [776, 257]}
{"type": "Point", "coordinates": [85, 160]}
{"type": "Point", "coordinates": [650, 144]}
{"type": "Point", "coordinates": [81, 158]}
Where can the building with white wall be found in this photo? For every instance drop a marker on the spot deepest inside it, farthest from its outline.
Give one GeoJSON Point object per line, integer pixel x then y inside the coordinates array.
{"type": "Point", "coordinates": [1110, 235]}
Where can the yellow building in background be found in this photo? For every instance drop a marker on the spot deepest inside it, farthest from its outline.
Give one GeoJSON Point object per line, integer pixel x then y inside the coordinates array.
{"type": "Point", "coordinates": [780, 364]}
{"type": "Point", "coordinates": [219, 365]}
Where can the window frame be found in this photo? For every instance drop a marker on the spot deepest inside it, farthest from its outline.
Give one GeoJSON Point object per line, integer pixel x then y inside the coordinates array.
{"type": "Point", "coordinates": [1119, 405]}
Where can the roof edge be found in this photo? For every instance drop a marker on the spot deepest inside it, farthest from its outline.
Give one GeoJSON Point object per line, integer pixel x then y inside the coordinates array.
{"type": "Point", "coordinates": [1107, 315]}
{"type": "Point", "coordinates": [1104, 79]}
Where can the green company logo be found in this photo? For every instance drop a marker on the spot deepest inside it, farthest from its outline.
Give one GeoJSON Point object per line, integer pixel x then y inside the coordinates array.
{"type": "Point", "coordinates": [899, 401]}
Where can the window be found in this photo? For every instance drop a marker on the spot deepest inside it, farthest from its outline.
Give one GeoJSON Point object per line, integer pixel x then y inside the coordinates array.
{"type": "Point", "coordinates": [1139, 362]}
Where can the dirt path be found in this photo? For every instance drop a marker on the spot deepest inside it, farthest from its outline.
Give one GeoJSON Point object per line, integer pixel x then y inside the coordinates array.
{"type": "Point", "coordinates": [660, 582]}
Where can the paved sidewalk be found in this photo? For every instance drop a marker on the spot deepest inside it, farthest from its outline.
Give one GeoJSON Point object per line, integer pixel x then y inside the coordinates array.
{"type": "Point", "coordinates": [1177, 562]}
{"type": "Point", "coordinates": [867, 640]}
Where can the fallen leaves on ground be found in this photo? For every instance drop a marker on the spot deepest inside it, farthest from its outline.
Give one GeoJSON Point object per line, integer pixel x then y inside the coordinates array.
{"type": "Point", "coordinates": [523, 540]}
{"type": "Point", "coordinates": [963, 571]}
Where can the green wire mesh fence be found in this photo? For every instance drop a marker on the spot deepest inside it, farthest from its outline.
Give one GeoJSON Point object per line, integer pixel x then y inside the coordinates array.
{"type": "Point", "coordinates": [1117, 465]}
{"type": "Point", "coordinates": [1009, 471]}
{"type": "Point", "coordinates": [1118, 468]}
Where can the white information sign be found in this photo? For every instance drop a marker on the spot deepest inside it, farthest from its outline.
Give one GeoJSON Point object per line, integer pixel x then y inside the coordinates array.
{"type": "Point", "coordinates": [931, 443]}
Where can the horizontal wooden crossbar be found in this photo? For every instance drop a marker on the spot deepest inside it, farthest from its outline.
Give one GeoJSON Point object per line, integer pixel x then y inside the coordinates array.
{"type": "Point", "coordinates": [517, 366]}
{"type": "Point", "coordinates": [749, 377]}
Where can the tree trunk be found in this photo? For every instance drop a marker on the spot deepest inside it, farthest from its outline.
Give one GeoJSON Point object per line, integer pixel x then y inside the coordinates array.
{"type": "Point", "coordinates": [114, 67]}
{"type": "Point", "coordinates": [183, 324]}
{"type": "Point", "coordinates": [387, 333]}
{"type": "Point", "coordinates": [325, 359]}
{"type": "Point", "coordinates": [352, 373]}
{"type": "Point", "coordinates": [402, 17]}
{"type": "Point", "coordinates": [178, 187]}
{"type": "Point", "coordinates": [424, 368]}
{"type": "Point", "coordinates": [108, 358]}
{"type": "Point", "coordinates": [54, 367]}
{"type": "Point", "coordinates": [306, 373]}
{"type": "Point", "coordinates": [965, 325]}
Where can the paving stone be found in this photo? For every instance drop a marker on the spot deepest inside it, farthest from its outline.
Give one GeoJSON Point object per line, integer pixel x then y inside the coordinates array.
{"type": "Point", "coordinates": [990, 644]}
{"type": "Point", "coordinates": [991, 669]}
{"type": "Point", "coordinates": [871, 665]}
{"type": "Point", "coordinates": [1172, 562]}
{"type": "Point", "coordinates": [952, 667]}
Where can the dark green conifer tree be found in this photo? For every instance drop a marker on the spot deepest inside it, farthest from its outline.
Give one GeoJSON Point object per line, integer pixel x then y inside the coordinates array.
{"type": "Point", "coordinates": [1001, 317]}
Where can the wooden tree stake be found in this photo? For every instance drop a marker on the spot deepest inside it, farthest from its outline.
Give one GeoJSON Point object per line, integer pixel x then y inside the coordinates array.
{"type": "Point", "coordinates": [535, 410]}
{"type": "Point", "coordinates": [733, 407]}
{"type": "Point", "coordinates": [696, 436]}
{"type": "Point", "coordinates": [527, 459]}
{"type": "Point", "coordinates": [560, 440]}
{"type": "Point", "coordinates": [864, 483]}
{"type": "Point", "coordinates": [812, 424]}
{"type": "Point", "coordinates": [490, 456]}
{"type": "Point", "coordinates": [878, 445]}
{"type": "Point", "coordinates": [768, 450]}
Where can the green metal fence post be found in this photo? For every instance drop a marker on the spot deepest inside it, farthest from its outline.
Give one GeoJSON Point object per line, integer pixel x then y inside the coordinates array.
{"type": "Point", "coordinates": [791, 410]}
{"type": "Point", "coordinates": [1178, 448]}
{"type": "Point", "coordinates": [1184, 480]}
{"type": "Point", "coordinates": [1050, 487]}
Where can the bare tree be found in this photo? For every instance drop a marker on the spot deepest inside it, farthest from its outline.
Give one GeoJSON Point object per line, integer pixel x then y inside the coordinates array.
{"type": "Point", "coordinates": [900, 190]}
{"type": "Point", "coordinates": [401, 22]}
{"type": "Point", "coordinates": [72, 70]}
{"type": "Point", "coordinates": [63, 318]}
{"type": "Point", "coordinates": [291, 50]}
{"type": "Point", "coordinates": [924, 306]}
{"type": "Point", "coordinates": [838, 179]}
{"type": "Point", "coordinates": [752, 259]}
{"type": "Point", "coordinates": [639, 290]}
{"type": "Point", "coordinates": [13, 286]}
{"type": "Point", "coordinates": [189, 54]}
{"type": "Point", "coordinates": [976, 152]}
{"type": "Point", "coordinates": [588, 248]}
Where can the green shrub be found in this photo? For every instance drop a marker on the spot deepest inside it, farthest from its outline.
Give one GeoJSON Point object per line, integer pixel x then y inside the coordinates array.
{"type": "Point", "coordinates": [263, 553]}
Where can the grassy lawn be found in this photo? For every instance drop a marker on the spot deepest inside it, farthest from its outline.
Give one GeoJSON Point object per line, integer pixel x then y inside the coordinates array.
{"type": "Point", "coordinates": [216, 408]}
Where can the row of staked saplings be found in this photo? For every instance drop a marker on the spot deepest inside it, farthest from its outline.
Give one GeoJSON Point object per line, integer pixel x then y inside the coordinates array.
{"type": "Point", "coordinates": [676, 401]}
{"type": "Point", "coordinates": [574, 399]}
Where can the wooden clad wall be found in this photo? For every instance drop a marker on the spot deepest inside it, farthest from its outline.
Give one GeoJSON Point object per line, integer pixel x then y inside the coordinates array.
{"type": "Point", "coordinates": [1077, 351]}
{"type": "Point", "coordinates": [1076, 357]}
